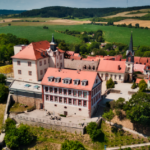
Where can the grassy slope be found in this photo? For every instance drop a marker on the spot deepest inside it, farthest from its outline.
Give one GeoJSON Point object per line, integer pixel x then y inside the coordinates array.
{"type": "Point", "coordinates": [112, 33]}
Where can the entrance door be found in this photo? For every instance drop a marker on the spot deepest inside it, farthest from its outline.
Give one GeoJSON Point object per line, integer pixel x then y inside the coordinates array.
{"type": "Point", "coordinates": [65, 113]}
{"type": "Point", "coordinates": [41, 106]}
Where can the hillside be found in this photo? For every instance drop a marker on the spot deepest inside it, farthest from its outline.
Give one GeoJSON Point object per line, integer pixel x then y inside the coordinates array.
{"type": "Point", "coordinates": [8, 12]}
{"type": "Point", "coordinates": [61, 12]}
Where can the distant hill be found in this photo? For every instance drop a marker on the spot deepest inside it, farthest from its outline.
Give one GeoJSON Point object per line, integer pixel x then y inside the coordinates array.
{"type": "Point", "coordinates": [8, 12]}
{"type": "Point", "coordinates": [68, 12]}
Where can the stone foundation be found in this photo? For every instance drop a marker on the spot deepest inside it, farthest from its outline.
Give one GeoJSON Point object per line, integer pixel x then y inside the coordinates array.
{"type": "Point", "coordinates": [29, 101]}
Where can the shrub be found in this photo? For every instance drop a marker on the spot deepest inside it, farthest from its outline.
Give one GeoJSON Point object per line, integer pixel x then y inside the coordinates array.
{"type": "Point", "coordinates": [3, 93]}
{"type": "Point", "coordinates": [93, 130]}
{"type": "Point", "coordinates": [72, 145]}
{"type": "Point", "coordinates": [62, 115]}
{"type": "Point", "coordinates": [109, 115]}
{"type": "Point", "coordinates": [31, 109]}
{"type": "Point", "coordinates": [110, 84]}
{"type": "Point", "coordinates": [133, 86]}
{"type": "Point", "coordinates": [120, 103]}
{"type": "Point", "coordinates": [118, 113]}
{"type": "Point", "coordinates": [2, 79]}
{"type": "Point", "coordinates": [114, 129]}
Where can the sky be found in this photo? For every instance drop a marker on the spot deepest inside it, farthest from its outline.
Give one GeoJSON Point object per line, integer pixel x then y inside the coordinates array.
{"type": "Point", "coordinates": [35, 4]}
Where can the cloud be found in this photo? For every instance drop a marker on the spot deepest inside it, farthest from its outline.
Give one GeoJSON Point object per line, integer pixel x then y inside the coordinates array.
{"type": "Point", "coordinates": [33, 4]}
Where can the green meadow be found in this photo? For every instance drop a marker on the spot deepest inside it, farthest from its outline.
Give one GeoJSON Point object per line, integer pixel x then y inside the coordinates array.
{"type": "Point", "coordinates": [111, 33]}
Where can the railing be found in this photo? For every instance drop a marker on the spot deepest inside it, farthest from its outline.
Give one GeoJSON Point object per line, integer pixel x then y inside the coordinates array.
{"type": "Point", "coordinates": [46, 121]}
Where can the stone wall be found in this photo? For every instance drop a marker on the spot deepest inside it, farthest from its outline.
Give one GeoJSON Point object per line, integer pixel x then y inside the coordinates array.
{"type": "Point", "coordinates": [29, 101]}
{"type": "Point", "coordinates": [50, 124]}
{"type": "Point", "coordinates": [131, 93]}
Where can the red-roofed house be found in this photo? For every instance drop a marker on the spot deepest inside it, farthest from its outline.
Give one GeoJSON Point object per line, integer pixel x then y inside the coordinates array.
{"type": "Point", "coordinates": [70, 53]}
{"type": "Point", "coordinates": [143, 60]}
{"type": "Point", "coordinates": [139, 67]}
{"type": "Point", "coordinates": [137, 60]}
{"type": "Point", "coordinates": [31, 62]}
{"type": "Point", "coordinates": [71, 92]}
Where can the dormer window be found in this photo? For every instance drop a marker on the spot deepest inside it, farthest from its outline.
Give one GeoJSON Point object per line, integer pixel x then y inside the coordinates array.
{"type": "Point", "coordinates": [57, 80]}
{"type": "Point", "coordinates": [67, 80]}
{"type": "Point", "coordinates": [84, 82]}
{"type": "Point", "coordinates": [51, 79]}
{"type": "Point", "coordinates": [76, 82]}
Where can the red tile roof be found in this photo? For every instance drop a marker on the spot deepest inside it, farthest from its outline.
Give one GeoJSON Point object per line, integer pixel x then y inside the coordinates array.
{"type": "Point", "coordinates": [147, 67]}
{"type": "Point", "coordinates": [75, 57]}
{"type": "Point", "coordinates": [143, 60]}
{"type": "Point", "coordinates": [138, 80]}
{"type": "Point", "coordinates": [123, 59]}
{"type": "Point", "coordinates": [137, 60]}
{"type": "Point", "coordinates": [33, 51]}
{"type": "Point", "coordinates": [73, 74]}
{"type": "Point", "coordinates": [71, 53]}
{"type": "Point", "coordinates": [112, 66]}
{"type": "Point", "coordinates": [139, 67]}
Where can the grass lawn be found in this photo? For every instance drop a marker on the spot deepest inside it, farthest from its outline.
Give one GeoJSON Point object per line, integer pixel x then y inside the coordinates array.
{"type": "Point", "coordinates": [111, 33]}
{"type": "Point", "coordinates": [50, 139]}
{"type": "Point", "coordinates": [17, 107]}
{"type": "Point", "coordinates": [2, 110]}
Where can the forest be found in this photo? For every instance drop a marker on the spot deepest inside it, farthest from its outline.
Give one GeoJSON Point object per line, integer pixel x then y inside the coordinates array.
{"type": "Point", "coordinates": [68, 12]}
{"type": "Point", "coordinates": [7, 12]}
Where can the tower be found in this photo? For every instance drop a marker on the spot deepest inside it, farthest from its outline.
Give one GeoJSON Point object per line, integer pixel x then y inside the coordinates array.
{"type": "Point", "coordinates": [53, 45]}
{"type": "Point", "coordinates": [130, 62]}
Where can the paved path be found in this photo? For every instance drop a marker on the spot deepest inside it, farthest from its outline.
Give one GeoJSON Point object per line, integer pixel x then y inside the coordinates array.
{"type": "Point", "coordinates": [131, 146]}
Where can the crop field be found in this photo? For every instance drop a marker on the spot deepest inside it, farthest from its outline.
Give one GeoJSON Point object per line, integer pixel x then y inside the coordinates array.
{"type": "Point", "coordinates": [111, 33]}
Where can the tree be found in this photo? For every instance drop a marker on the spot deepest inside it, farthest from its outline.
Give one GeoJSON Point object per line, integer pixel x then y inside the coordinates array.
{"type": "Point", "coordinates": [146, 54]}
{"type": "Point", "coordinates": [110, 83]}
{"type": "Point", "coordinates": [133, 86]}
{"type": "Point", "coordinates": [63, 46]}
{"type": "Point", "coordinates": [3, 93]}
{"type": "Point", "coordinates": [94, 45]}
{"type": "Point", "coordinates": [108, 115]}
{"type": "Point", "coordinates": [120, 103]}
{"type": "Point", "coordinates": [142, 85]}
{"type": "Point", "coordinates": [2, 79]}
{"type": "Point", "coordinates": [144, 48]}
{"type": "Point", "coordinates": [137, 25]}
{"type": "Point", "coordinates": [72, 145]}
{"type": "Point", "coordinates": [112, 53]}
{"type": "Point", "coordinates": [16, 137]}
{"type": "Point", "coordinates": [93, 130]}
{"type": "Point", "coordinates": [109, 46]}
{"type": "Point", "coordinates": [138, 108]}
{"type": "Point", "coordinates": [100, 39]}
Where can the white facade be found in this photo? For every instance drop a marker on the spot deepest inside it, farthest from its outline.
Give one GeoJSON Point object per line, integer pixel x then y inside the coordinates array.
{"type": "Point", "coordinates": [18, 48]}
{"type": "Point", "coordinates": [119, 77]}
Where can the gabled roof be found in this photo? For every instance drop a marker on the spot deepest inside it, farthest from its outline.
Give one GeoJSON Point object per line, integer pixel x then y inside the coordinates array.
{"type": "Point", "coordinates": [73, 74]}
{"type": "Point", "coordinates": [112, 66]}
{"type": "Point", "coordinates": [71, 53]}
{"type": "Point", "coordinates": [143, 60]}
{"type": "Point", "coordinates": [33, 51]}
{"type": "Point", "coordinates": [137, 60]}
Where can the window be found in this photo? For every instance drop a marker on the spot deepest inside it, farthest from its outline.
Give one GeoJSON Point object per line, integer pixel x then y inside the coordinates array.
{"type": "Point", "coordinates": [51, 90]}
{"type": "Point", "coordinates": [19, 71]}
{"type": "Point", "coordinates": [60, 57]}
{"type": "Point", "coordinates": [40, 63]}
{"type": "Point", "coordinates": [115, 76]}
{"type": "Point", "coordinates": [80, 109]}
{"type": "Point", "coordinates": [51, 98]}
{"type": "Point", "coordinates": [84, 103]}
{"type": "Point", "coordinates": [55, 90]}
{"type": "Point", "coordinates": [56, 98]}
{"type": "Point", "coordinates": [83, 83]}
{"type": "Point", "coordinates": [80, 94]}
{"type": "Point", "coordinates": [29, 63]}
{"type": "Point", "coordinates": [79, 103]}
{"type": "Point", "coordinates": [65, 92]}
{"type": "Point", "coordinates": [60, 99]}
{"type": "Point", "coordinates": [85, 94]}
{"type": "Point", "coordinates": [96, 80]}
{"type": "Point", "coordinates": [69, 92]}
{"type": "Point", "coordinates": [45, 70]}
{"type": "Point", "coordinates": [74, 93]}
{"type": "Point", "coordinates": [119, 77]}
{"type": "Point", "coordinates": [18, 62]}
{"type": "Point", "coordinates": [60, 64]}
{"type": "Point", "coordinates": [30, 73]}
{"type": "Point", "coordinates": [60, 91]}
{"type": "Point", "coordinates": [74, 102]}
{"type": "Point", "coordinates": [46, 89]}
{"type": "Point", "coordinates": [102, 75]}
{"type": "Point", "coordinates": [65, 100]}
{"type": "Point", "coordinates": [44, 62]}
{"type": "Point", "coordinates": [41, 72]}
{"type": "Point", "coordinates": [47, 97]}
{"type": "Point", "coordinates": [70, 101]}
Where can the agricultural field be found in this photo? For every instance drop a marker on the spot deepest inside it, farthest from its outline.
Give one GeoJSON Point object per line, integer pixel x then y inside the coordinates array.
{"type": "Point", "coordinates": [50, 139]}
{"type": "Point", "coordinates": [111, 33]}
{"type": "Point", "coordinates": [142, 23]}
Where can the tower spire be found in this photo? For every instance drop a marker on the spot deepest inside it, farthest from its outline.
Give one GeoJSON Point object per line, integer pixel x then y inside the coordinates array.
{"type": "Point", "coordinates": [131, 43]}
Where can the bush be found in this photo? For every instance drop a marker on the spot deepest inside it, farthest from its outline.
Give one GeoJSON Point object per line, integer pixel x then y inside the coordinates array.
{"type": "Point", "coordinates": [109, 115]}
{"type": "Point", "coordinates": [118, 113]}
{"type": "Point", "coordinates": [2, 79]}
{"type": "Point", "coordinates": [3, 93]}
{"type": "Point", "coordinates": [72, 145]}
{"type": "Point", "coordinates": [16, 137]}
{"type": "Point", "coordinates": [93, 130]}
{"type": "Point", "coordinates": [62, 115]}
{"type": "Point", "coordinates": [110, 83]}
{"type": "Point", "coordinates": [120, 103]}
{"type": "Point", "coordinates": [133, 86]}
{"type": "Point", "coordinates": [142, 85]}
{"type": "Point", "coordinates": [31, 109]}
{"type": "Point", "coordinates": [114, 129]}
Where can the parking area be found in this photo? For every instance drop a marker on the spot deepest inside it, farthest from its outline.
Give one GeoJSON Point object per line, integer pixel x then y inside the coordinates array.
{"type": "Point", "coordinates": [123, 87]}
